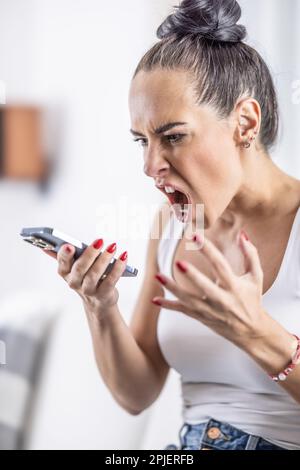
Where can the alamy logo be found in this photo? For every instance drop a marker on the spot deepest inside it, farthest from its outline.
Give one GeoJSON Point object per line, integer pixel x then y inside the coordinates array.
{"type": "Point", "coordinates": [2, 353]}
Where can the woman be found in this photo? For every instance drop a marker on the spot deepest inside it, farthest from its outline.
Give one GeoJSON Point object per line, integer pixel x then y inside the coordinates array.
{"type": "Point", "coordinates": [204, 108]}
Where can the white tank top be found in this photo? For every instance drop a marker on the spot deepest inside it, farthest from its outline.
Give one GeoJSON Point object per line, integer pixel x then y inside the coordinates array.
{"type": "Point", "coordinates": [220, 380]}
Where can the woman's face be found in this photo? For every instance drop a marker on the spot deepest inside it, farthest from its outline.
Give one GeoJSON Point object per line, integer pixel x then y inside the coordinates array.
{"type": "Point", "coordinates": [199, 157]}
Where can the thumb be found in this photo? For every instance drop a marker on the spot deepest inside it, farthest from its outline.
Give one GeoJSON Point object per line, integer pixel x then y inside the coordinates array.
{"type": "Point", "coordinates": [251, 256]}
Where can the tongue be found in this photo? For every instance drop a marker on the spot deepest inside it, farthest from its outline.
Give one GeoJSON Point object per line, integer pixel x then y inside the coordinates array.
{"type": "Point", "coordinates": [180, 198]}
{"type": "Point", "coordinates": [181, 201]}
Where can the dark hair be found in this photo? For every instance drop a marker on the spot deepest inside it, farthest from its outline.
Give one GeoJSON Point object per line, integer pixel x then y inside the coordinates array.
{"type": "Point", "coordinates": [202, 38]}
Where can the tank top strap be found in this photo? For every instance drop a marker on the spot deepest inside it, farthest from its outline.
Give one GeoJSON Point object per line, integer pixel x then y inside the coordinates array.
{"type": "Point", "coordinates": [288, 277]}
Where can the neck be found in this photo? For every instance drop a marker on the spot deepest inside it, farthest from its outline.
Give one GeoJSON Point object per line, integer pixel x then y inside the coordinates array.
{"type": "Point", "coordinates": [266, 191]}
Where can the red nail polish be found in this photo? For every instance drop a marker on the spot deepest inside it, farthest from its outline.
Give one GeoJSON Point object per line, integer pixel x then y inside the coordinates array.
{"type": "Point", "coordinates": [156, 302]}
{"type": "Point", "coordinates": [111, 248]}
{"type": "Point", "coordinates": [97, 244]}
{"type": "Point", "coordinates": [161, 279]}
{"type": "Point", "coordinates": [244, 234]}
{"type": "Point", "coordinates": [181, 266]}
{"type": "Point", "coordinates": [198, 239]}
{"type": "Point", "coordinates": [123, 256]}
{"type": "Point", "coordinates": [68, 249]}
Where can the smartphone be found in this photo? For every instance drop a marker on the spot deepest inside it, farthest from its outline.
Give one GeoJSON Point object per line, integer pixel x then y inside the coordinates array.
{"type": "Point", "coordinates": [51, 239]}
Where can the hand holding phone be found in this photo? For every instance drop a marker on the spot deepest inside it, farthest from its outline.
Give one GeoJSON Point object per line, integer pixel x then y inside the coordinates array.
{"type": "Point", "coordinates": [92, 273]}
{"type": "Point", "coordinates": [51, 240]}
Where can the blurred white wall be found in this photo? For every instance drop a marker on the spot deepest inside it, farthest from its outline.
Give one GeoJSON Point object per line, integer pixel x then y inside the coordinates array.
{"type": "Point", "coordinates": [76, 59]}
{"type": "Point", "coordinates": [273, 29]}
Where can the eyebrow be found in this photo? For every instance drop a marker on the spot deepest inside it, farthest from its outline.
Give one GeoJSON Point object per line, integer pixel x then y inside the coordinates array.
{"type": "Point", "coordinates": [161, 129]}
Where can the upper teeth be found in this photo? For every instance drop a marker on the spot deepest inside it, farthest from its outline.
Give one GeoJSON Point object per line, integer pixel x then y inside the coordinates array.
{"type": "Point", "coordinates": [168, 189]}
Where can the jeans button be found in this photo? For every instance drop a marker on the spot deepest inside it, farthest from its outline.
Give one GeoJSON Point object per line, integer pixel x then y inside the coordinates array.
{"type": "Point", "coordinates": [214, 433]}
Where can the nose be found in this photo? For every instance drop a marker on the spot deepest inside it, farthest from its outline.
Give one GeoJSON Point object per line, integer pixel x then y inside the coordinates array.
{"type": "Point", "coordinates": [155, 164]}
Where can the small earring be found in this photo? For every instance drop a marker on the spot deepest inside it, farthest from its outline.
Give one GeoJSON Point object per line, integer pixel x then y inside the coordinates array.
{"type": "Point", "coordinates": [246, 145]}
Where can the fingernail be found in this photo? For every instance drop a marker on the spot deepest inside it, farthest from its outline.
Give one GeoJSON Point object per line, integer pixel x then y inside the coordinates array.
{"type": "Point", "coordinates": [123, 256]}
{"type": "Point", "coordinates": [198, 239]}
{"type": "Point", "coordinates": [181, 266]}
{"type": "Point", "coordinates": [97, 244]}
{"type": "Point", "coordinates": [111, 248]}
{"type": "Point", "coordinates": [68, 249]}
{"type": "Point", "coordinates": [156, 302]}
{"type": "Point", "coordinates": [244, 234]}
{"type": "Point", "coordinates": [161, 279]}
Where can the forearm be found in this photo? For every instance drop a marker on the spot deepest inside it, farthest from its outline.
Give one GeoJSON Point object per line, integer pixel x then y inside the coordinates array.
{"type": "Point", "coordinates": [272, 350]}
{"type": "Point", "coordinates": [124, 367]}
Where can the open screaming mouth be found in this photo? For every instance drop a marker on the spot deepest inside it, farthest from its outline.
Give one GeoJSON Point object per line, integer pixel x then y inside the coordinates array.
{"type": "Point", "coordinates": [179, 200]}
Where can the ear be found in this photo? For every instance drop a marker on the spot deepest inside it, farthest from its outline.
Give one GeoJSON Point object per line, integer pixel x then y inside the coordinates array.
{"type": "Point", "coordinates": [248, 120]}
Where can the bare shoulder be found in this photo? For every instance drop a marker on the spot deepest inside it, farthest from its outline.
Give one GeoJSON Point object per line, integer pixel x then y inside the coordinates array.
{"type": "Point", "coordinates": [143, 323]}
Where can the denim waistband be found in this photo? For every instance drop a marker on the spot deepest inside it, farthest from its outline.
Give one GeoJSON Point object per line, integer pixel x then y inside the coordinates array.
{"type": "Point", "coordinates": [220, 435]}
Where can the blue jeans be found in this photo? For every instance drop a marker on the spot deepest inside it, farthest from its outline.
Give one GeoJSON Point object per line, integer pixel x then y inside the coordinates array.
{"type": "Point", "coordinates": [219, 435]}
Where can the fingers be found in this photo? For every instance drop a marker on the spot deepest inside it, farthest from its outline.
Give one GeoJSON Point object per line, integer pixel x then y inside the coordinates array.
{"type": "Point", "coordinates": [82, 265]}
{"type": "Point", "coordinates": [173, 287]}
{"type": "Point", "coordinates": [85, 273]}
{"type": "Point", "coordinates": [50, 253]}
{"type": "Point", "coordinates": [200, 281]}
{"type": "Point", "coordinates": [65, 260]}
{"type": "Point", "coordinates": [219, 263]}
{"type": "Point", "coordinates": [116, 272]}
{"type": "Point", "coordinates": [92, 281]}
{"type": "Point", "coordinates": [197, 280]}
{"type": "Point", "coordinates": [169, 304]}
{"type": "Point", "coordinates": [185, 302]}
{"type": "Point", "coordinates": [71, 271]}
{"type": "Point", "coordinates": [253, 265]}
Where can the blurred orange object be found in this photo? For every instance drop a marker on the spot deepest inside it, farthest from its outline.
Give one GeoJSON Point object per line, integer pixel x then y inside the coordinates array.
{"type": "Point", "coordinates": [21, 143]}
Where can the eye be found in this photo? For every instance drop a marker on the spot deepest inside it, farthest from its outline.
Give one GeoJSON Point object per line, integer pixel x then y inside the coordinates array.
{"type": "Point", "coordinates": [173, 139]}
{"type": "Point", "coordinates": [142, 142]}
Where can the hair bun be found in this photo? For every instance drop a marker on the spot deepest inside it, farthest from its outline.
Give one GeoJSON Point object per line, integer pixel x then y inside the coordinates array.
{"type": "Point", "coordinates": [211, 19]}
